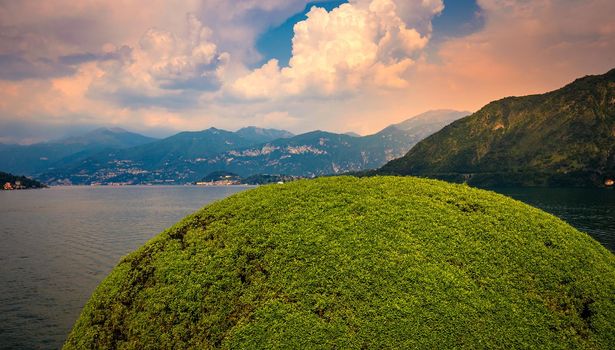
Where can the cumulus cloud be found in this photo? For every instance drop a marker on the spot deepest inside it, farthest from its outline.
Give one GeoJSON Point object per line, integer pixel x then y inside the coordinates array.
{"type": "Point", "coordinates": [164, 67]}
{"type": "Point", "coordinates": [357, 44]}
{"type": "Point", "coordinates": [189, 62]}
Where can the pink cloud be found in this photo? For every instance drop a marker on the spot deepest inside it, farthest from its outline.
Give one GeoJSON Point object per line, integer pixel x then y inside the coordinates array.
{"type": "Point", "coordinates": [153, 55]}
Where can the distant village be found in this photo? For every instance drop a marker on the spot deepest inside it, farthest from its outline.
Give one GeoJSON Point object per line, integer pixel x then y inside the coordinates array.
{"type": "Point", "coordinates": [12, 182]}
{"type": "Point", "coordinates": [223, 178]}
{"type": "Point", "coordinates": [14, 186]}
{"type": "Point", "coordinates": [227, 181]}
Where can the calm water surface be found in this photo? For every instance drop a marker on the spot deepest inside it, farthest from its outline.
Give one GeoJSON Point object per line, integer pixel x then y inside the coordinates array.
{"type": "Point", "coordinates": [589, 210]}
{"type": "Point", "coordinates": [58, 244]}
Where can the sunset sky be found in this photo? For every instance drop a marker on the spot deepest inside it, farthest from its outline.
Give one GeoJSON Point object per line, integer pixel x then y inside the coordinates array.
{"type": "Point", "coordinates": [161, 66]}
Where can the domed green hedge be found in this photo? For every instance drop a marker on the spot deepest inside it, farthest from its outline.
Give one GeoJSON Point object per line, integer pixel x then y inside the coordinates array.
{"type": "Point", "coordinates": [346, 263]}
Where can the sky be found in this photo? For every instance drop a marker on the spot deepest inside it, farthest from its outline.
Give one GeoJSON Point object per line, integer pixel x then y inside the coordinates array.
{"type": "Point", "coordinates": [344, 65]}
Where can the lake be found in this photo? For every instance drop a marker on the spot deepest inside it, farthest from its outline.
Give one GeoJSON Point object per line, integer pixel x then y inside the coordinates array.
{"type": "Point", "coordinates": [589, 210]}
{"type": "Point", "coordinates": [59, 243]}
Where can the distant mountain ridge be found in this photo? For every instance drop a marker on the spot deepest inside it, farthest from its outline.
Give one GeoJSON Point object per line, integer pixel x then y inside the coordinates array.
{"type": "Point", "coordinates": [260, 135]}
{"type": "Point", "coordinates": [37, 158]}
{"type": "Point", "coordinates": [109, 137]}
{"type": "Point", "coordinates": [562, 138]}
{"type": "Point", "coordinates": [431, 121]}
{"type": "Point", "coordinates": [187, 157]}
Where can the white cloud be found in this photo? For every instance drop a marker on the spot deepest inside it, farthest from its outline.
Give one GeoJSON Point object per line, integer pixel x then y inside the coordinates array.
{"type": "Point", "coordinates": [171, 59]}
{"type": "Point", "coordinates": [164, 64]}
{"type": "Point", "coordinates": [362, 43]}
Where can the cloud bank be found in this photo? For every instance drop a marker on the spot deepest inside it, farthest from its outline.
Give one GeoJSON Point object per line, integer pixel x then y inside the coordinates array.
{"type": "Point", "coordinates": [189, 64]}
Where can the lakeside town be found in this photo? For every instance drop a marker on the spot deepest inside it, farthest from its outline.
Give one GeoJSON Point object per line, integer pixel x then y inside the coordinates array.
{"type": "Point", "coordinates": [11, 182]}
{"type": "Point", "coordinates": [16, 186]}
{"type": "Point", "coordinates": [218, 178]}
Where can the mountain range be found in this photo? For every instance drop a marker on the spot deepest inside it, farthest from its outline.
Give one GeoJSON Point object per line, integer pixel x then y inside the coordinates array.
{"type": "Point", "coordinates": [38, 158]}
{"type": "Point", "coordinates": [188, 156]}
{"type": "Point", "coordinates": [562, 138]}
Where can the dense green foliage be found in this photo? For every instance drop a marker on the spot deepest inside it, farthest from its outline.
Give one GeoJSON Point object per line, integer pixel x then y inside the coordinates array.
{"type": "Point", "coordinates": [347, 263]}
{"type": "Point", "coordinates": [562, 138]}
{"type": "Point", "coordinates": [26, 183]}
{"type": "Point", "coordinates": [187, 156]}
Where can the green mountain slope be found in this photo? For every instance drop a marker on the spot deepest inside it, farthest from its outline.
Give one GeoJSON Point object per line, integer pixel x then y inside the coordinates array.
{"type": "Point", "coordinates": [347, 263]}
{"type": "Point", "coordinates": [562, 138]}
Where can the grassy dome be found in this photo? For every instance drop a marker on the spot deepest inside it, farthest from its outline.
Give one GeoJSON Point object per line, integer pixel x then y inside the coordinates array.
{"type": "Point", "coordinates": [347, 263]}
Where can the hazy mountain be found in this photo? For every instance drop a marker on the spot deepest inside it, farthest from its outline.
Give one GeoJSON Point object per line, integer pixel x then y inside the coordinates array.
{"type": "Point", "coordinates": [353, 134]}
{"type": "Point", "coordinates": [37, 158]}
{"type": "Point", "coordinates": [187, 157]}
{"type": "Point", "coordinates": [108, 137]}
{"type": "Point", "coordinates": [562, 138]}
{"type": "Point", "coordinates": [260, 135]}
{"type": "Point", "coordinates": [185, 146]}
{"type": "Point", "coordinates": [408, 133]}
{"type": "Point", "coordinates": [430, 122]}
{"type": "Point", "coordinates": [167, 159]}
